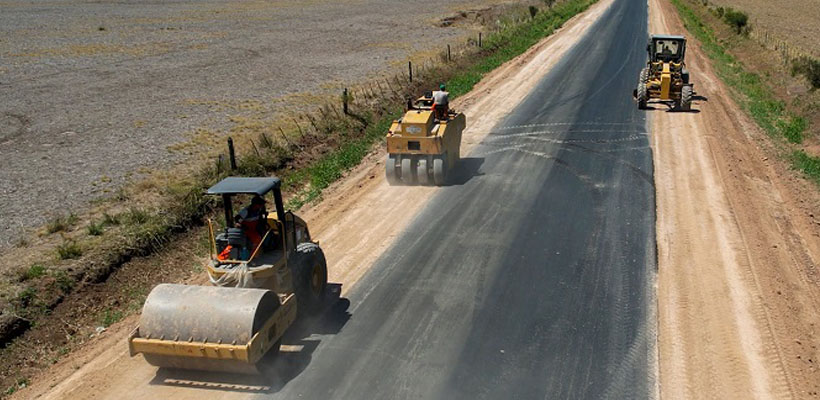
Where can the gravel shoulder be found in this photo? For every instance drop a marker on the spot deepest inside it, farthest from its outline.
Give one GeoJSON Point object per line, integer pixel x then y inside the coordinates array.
{"type": "Point", "coordinates": [738, 248]}
{"type": "Point", "coordinates": [94, 93]}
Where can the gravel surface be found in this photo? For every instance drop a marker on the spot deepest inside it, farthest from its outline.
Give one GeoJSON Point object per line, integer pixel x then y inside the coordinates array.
{"type": "Point", "coordinates": [91, 91]}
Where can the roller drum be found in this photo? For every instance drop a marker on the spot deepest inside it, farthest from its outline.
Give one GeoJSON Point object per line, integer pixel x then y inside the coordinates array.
{"type": "Point", "coordinates": [208, 314]}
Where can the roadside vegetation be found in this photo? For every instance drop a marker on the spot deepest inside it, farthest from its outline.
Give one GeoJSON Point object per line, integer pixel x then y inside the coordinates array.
{"type": "Point", "coordinates": [71, 268]}
{"type": "Point", "coordinates": [789, 116]}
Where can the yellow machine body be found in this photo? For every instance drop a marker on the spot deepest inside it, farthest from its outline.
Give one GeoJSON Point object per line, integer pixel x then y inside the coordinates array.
{"type": "Point", "coordinates": [421, 148]}
{"type": "Point", "coordinates": [664, 82]}
{"type": "Point", "coordinates": [232, 325]}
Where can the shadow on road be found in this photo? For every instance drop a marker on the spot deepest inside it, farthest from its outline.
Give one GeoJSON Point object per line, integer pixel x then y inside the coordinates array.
{"type": "Point", "coordinates": [466, 169]}
{"type": "Point", "coordinates": [295, 355]}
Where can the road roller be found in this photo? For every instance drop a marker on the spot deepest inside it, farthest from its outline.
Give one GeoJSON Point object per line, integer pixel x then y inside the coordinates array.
{"type": "Point", "coordinates": [263, 268]}
{"type": "Point", "coordinates": [423, 147]}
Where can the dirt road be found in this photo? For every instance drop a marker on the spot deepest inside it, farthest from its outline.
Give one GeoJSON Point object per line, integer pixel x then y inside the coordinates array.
{"type": "Point", "coordinates": [738, 251]}
{"type": "Point", "coordinates": [362, 203]}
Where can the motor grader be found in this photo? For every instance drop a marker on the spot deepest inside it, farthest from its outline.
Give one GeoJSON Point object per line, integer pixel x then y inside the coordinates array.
{"type": "Point", "coordinates": [665, 76]}
{"type": "Point", "coordinates": [422, 148]}
{"type": "Point", "coordinates": [236, 324]}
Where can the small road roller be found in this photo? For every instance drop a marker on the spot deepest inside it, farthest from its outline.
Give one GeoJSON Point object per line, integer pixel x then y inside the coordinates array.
{"type": "Point", "coordinates": [422, 149]}
{"type": "Point", "coordinates": [262, 268]}
{"type": "Point", "coordinates": [665, 76]}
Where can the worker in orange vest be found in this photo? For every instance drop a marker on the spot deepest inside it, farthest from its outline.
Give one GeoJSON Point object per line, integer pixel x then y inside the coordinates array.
{"type": "Point", "coordinates": [253, 220]}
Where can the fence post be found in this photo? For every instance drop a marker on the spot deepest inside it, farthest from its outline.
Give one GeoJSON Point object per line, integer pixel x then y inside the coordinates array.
{"type": "Point", "coordinates": [479, 39]}
{"type": "Point", "coordinates": [410, 70]}
{"type": "Point", "coordinates": [231, 154]}
{"type": "Point", "coordinates": [448, 53]}
{"type": "Point", "coordinates": [344, 101]}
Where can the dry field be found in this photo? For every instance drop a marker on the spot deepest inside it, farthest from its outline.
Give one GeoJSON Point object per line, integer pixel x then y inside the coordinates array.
{"type": "Point", "coordinates": [794, 21]}
{"type": "Point", "coordinates": [94, 92]}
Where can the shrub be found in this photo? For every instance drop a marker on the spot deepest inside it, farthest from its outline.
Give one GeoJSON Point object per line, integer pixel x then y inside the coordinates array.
{"type": "Point", "coordinates": [738, 20]}
{"type": "Point", "coordinates": [35, 271]}
{"type": "Point", "coordinates": [808, 67]}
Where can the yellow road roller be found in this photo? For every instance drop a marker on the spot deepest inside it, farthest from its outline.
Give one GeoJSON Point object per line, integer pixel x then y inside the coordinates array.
{"type": "Point", "coordinates": [263, 268]}
{"type": "Point", "coordinates": [421, 148]}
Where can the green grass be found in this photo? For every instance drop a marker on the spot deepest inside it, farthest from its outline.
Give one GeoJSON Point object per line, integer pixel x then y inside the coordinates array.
{"type": "Point", "coordinates": [806, 163]}
{"type": "Point", "coordinates": [34, 271]}
{"type": "Point", "coordinates": [110, 317]}
{"type": "Point", "coordinates": [19, 384]}
{"type": "Point", "coordinates": [96, 228]}
{"type": "Point", "coordinates": [753, 94]}
{"type": "Point", "coordinates": [69, 250]}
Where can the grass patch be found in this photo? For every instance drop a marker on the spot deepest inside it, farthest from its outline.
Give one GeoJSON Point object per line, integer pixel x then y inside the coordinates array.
{"type": "Point", "coordinates": [69, 250]}
{"type": "Point", "coordinates": [61, 223]}
{"type": "Point", "coordinates": [807, 164]}
{"type": "Point", "coordinates": [34, 271]}
{"type": "Point", "coordinates": [19, 384]}
{"type": "Point", "coordinates": [754, 96]}
{"type": "Point", "coordinates": [63, 282]}
{"type": "Point", "coordinates": [110, 317]}
{"type": "Point", "coordinates": [96, 228]}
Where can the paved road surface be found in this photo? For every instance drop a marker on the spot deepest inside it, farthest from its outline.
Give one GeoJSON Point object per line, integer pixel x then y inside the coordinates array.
{"type": "Point", "coordinates": [533, 275]}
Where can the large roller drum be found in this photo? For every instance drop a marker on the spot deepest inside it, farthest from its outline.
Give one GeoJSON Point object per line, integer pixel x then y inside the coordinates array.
{"type": "Point", "coordinates": [175, 316]}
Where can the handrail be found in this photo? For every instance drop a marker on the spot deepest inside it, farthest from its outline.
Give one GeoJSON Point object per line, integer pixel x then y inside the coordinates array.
{"type": "Point", "coordinates": [212, 250]}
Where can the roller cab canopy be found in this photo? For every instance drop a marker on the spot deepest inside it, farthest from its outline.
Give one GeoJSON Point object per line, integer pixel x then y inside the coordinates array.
{"type": "Point", "coordinates": [234, 185]}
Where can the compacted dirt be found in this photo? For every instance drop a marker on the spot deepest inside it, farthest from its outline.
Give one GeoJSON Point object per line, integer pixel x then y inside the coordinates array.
{"type": "Point", "coordinates": [738, 248]}
{"type": "Point", "coordinates": [362, 202]}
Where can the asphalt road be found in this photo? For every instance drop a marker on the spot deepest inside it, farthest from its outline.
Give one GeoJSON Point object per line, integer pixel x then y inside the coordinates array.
{"type": "Point", "coordinates": [533, 275]}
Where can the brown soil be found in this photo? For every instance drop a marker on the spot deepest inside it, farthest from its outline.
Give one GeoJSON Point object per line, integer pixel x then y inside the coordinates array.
{"type": "Point", "coordinates": [738, 247]}
{"type": "Point", "coordinates": [362, 202]}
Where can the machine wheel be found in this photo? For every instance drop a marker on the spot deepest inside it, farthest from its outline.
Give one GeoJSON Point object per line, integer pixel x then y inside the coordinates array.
{"type": "Point", "coordinates": [408, 170]}
{"type": "Point", "coordinates": [390, 170]}
{"type": "Point", "coordinates": [422, 172]}
{"type": "Point", "coordinates": [642, 95]}
{"type": "Point", "coordinates": [686, 98]}
{"type": "Point", "coordinates": [644, 75]}
{"type": "Point", "coordinates": [440, 169]}
{"type": "Point", "coordinates": [310, 277]}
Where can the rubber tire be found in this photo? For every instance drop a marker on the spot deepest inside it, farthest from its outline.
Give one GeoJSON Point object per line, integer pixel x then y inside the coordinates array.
{"type": "Point", "coordinates": [309, 298]}
{"type": "Point", "coordinates": [422, 171]}
{"type": "Point", "coordinates": [390, 170]}
{"type": "Point", "coordinates": [440, 170]}
{"type": "Point", "coordinates": [644, 75]}
{"type": "Point", "coordinates": [642, 96]}
{"type": "Point", "coordinates": [408, 170]}
{"type": "Point", "coordinates": [686, 98]}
